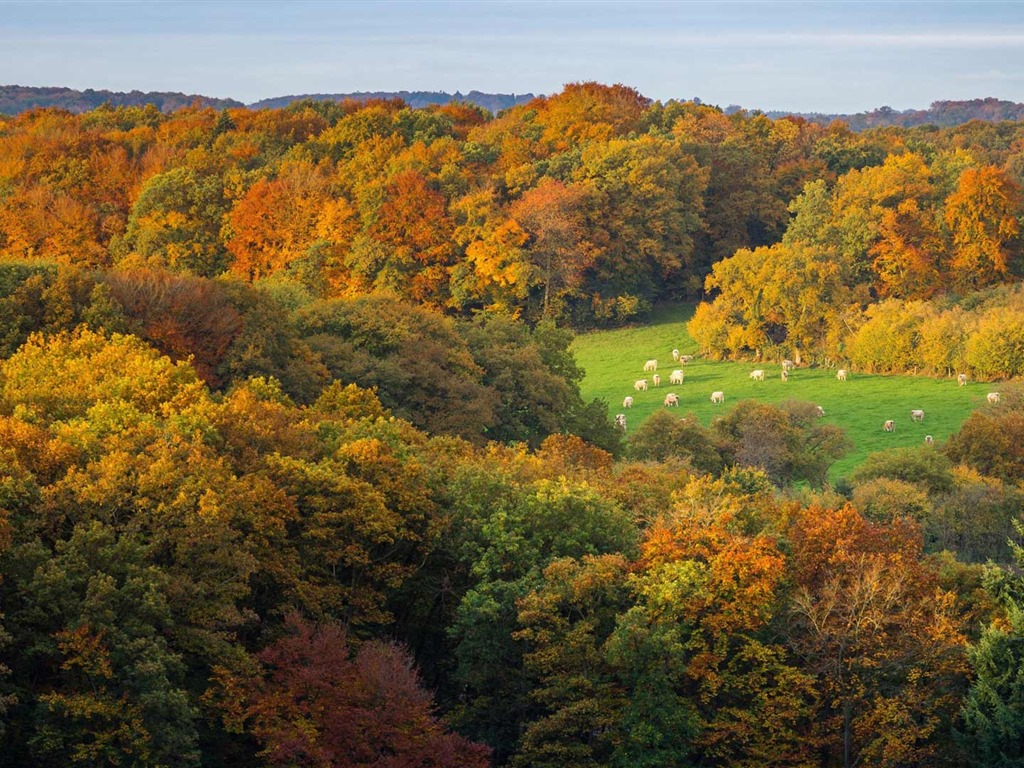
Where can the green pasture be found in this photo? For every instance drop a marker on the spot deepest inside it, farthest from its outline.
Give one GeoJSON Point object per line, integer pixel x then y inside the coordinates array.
{"type": "Point", "coordinates": [613, 360]}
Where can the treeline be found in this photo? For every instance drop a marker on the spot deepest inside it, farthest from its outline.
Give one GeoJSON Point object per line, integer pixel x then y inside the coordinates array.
{"type": "Point", "coordinates": [492, 102]}
{"type": "Point", "coordinates": [193, 576]}
{"type": "Point", "coordinates": [912, 264]}
{"type": "Point", "coordinates": [488, 378]}
{"type": "Point", "coordinates": [943, 114]}
{"type": "Point", "coordinates": [585, 207]}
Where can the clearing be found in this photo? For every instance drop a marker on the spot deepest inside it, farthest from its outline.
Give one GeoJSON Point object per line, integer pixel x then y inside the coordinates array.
{"type": "Point", "coordinates": [614, 359]}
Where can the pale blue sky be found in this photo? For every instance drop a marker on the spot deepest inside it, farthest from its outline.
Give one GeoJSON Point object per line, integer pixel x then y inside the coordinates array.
{"type": "Point", "coordinates": [806, 56]}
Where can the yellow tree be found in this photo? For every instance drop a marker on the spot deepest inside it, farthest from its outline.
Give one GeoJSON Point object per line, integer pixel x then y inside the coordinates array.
{"type": "Point", "coordinates": [983, 217]}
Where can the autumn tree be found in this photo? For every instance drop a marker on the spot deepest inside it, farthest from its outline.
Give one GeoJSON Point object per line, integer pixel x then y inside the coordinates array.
{"type": "Point", "coordinates": [882, 640]}
{"type": "Point", "coordinates": [176, 222]}
{"type": "Point", "coordinates": [314, 700]}
{"type": "Point", "coordinates": [982, 215]}
{"type": "Point", "coordinates": [551, 217]}
{"type": "Point", "coordinates": [296, 222]}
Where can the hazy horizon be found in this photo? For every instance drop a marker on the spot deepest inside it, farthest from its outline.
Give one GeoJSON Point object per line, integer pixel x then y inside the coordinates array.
{"type": "Point", "coordinates": [791, 56]}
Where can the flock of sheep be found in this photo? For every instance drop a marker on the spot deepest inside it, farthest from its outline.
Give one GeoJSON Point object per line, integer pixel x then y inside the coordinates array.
{"type": "Point", "coordinates": [676, 377]}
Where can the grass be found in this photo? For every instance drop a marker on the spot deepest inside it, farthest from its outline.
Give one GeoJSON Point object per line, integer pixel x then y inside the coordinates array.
{"type": "Point", "coordinates": [613, 360]}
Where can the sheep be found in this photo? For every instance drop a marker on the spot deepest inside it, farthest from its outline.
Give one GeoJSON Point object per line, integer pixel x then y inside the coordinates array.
{"type": "Point", "coordinates": [676, 377]}
{"type": "Point", "coordinates": [656, 379]}
{"type": "Point", "coordinates": [929, 440]}
{"type": "Point", "coordinates": [757, 375]}
{"type": "Point", "coordinates": [675, 355]}
{"type": "Point", "coordinates": [650, 366]}
{"type": "Point", "coordinates": [671, 400]}
{"type": "Point", "coordinates": [718, 397]}
{"type": "Point", "coordinates": [962, 379]}
{"type": "Point", "coordinates": [785, 375]}
{"type": "Point", "coordinates": [821, 411]}
{"type": "Point", "coordinates": [640, 385]}
{"type": "Point", "coordinates": [841, 374]}
{"type": "Point", "coordinates": [889, 425]}
{"type": "Point", "coordinates": [685, 359]}
{"type": "Point", "coordinates": [620, 421]}
{"type": "Point", "coordinates": [788, 365]}
{"type": "Point", "coordinates": [627, 402]}
{"type": "Point", "coordinates": [993, 397]}
{"type": "Point", "coordinates": [917, 415]}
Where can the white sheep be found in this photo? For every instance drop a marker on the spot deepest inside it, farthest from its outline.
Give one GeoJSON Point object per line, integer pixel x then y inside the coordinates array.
{"type": "Point", "coordinates": [962, 379]}
{"type": "Point", "coordinates": [675, 355]}
{"type": "Point", "coordinates": [676, 377]}
{"type": "Point", "coordinates": [993, 397]}
{"type": "Point", "coordinates": [671, 400]}
{"type": "Point", "coordinates": [929, 440]}
{"type": "Point", "coordinates": [788, 365]}
{"type": "Point", "coordinates": [620, 421]}
{"type": "Point", "coordinates": [718, 397]}
{"type": "Point", "coordinates": [917, 415]}
{"type": "Point", "coordinates": [640, 385]}
{"type": "Point", "coordinates": [627, 402]}
{"type": "Point", "coordinates": [650, 366]}
{"type": "Point", "coordinates": [821, 411]}
{"type": "Point", "coordinates": [889, 425]}
{"type": "Point", "coordinates": [686, 359]}
{"type": "Point", "coordinates": [757, 375]}
{"type": "Point", "coordinates": [656, 379]}
{"type": "Point", "coordinates": [785, 375]}
{"type": "Point", "coordinates": [841, 374]}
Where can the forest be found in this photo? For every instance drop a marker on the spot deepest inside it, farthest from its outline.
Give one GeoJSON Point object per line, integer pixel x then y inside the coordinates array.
{"type": "Point", "coordinates": [295, 469]}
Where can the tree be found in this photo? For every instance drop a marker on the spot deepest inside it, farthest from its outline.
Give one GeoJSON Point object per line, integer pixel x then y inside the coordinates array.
{"type": "Point", "coordinates": [312, 702]}
{"type": "Point", "coordinates": [882, 640]}
{"type": "Point", "coordinates": [992, 731]}
{"type": "Point", "coordinates": [982, 215]}
{"type": "Point", "coordinates": [278, 225]}
{"type": "Point", "coordinates": [176, 222]}
{"type": "Point", "coordinates": [551, 216]}
{"type": "Point", "coordinates": [788, 442]}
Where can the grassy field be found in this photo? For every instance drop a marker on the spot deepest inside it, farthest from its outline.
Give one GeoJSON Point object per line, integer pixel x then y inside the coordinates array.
{"type": "Point", "coordinates": [613, 360]}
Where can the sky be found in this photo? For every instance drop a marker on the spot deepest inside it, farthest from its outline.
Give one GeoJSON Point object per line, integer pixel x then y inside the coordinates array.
{"type": "Point", "coordinates": [799, 56]}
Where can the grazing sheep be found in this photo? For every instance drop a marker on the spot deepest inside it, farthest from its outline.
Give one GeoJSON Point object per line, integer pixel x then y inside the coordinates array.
{"type": "Point", "coordinates": [675, 355]}
{"type": "Point", "coordinates": [917, 415]}
{"type": "Point", "coordinates": [962, 379]}
{"type": "Point", "coordinates": [821, 411]}
{"type": "Point", "coordinates": [671, 400]}
{"type": "Point", "coordinates": [650, 366]}
{"type": "Point", "coordinates": [718, 397]}
{"type": "Point", "coordinates": [841, 374]}
{"type": "Point", "coordinates": [676, 377]}
{"type": "Point", "coordinates": [785, 375]}
{"type": "Point", "coordinates": [656, 379]}
{"type": "Point", "coordinates": [620, 421]}
{"type": "Point", "coordinates": [788, 365]}
{"type": "Point", "coordinates": [757, 375]}
{"type": "Point", "coordinates": [929, 440]}
{"type": "Point", "coordinates": [889, 425]}
{"type": "Point", "coordinates": [640, 385]}
{"type": "Point", "coordinates": [627, 402]}
{"type": "Point", "coordinates": [993, 397]}
{"type": "Point", "coordinates": [686, 359]}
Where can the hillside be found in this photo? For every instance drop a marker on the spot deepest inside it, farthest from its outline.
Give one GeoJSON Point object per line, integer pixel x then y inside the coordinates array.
{"type": "Point", "coordinates": [17, 98]}
{"type": "Point", "coordinates": [944, 114]}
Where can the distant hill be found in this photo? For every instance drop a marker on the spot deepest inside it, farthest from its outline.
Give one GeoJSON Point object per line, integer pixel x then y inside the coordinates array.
{"type": "Point", "coordinates": [495, 102]}
{"type": "Point", "coordinates": [944, 114]}
{"type": "Point", "coordinates": [19, 98]}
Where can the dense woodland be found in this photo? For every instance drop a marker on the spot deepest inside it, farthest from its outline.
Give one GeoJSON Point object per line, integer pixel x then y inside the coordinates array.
{"type": "Point", "coordinates": [295, 469]}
